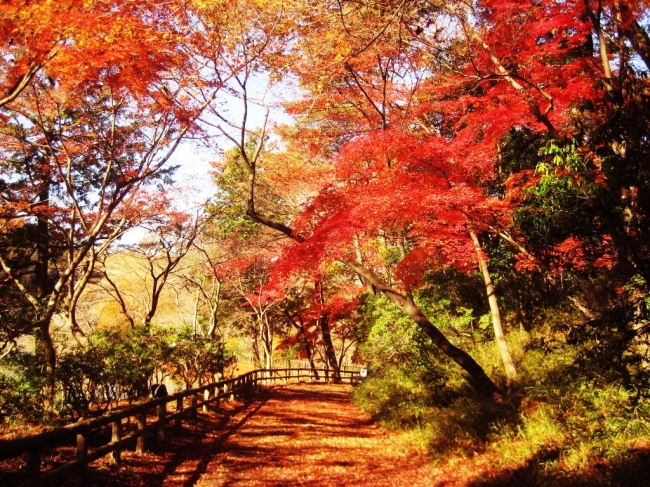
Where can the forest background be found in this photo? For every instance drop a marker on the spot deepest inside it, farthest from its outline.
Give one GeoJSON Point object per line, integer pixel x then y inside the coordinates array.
{"type": "Point", "coordinates": [459, 201]}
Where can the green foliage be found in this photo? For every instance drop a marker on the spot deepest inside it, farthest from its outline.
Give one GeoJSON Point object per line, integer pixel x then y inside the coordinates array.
{"type": "Point", "coordinates": [569, 409]}
{"type": "Point", "coordinates": [389, 339]}
{"type": "Point", "coordinates": [197, 359]}
{"type": "Point", "coordinates": [85, 381]}
{"type": "Point", "coordinates": [118, 366]}
{"type": "Point", "coordinates": [21, 384]}
{"type": "Point", "coordinates": [564, 199]}
{"type": "Point", "coordinates": [228, 207]}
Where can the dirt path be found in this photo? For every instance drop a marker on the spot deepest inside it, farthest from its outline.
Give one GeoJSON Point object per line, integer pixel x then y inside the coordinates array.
{"type": "Point", "coordinates": [311, 435]}
{"type": "Point", "coordinates": [301, 434]}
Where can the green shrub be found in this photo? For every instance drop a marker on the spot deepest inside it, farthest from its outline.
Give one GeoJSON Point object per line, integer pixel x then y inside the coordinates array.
{"type": "Point", "coordinates": [197, 360]}
{"type": "Point", "coordinates": [21, 389]}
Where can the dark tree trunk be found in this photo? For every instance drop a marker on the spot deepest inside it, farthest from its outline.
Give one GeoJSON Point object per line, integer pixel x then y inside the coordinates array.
{"type": "Point", "coordinates": [49, 355]}
{"type": "Point", "coordinates": [636, 34]}
{"type": "Point", "coordinates": [478, 378]}
{"type": "Point", "coordinates": [323, 321]}
{"type": "Point", "coordinates": [324, 325]}
{"type": "Point", "coordinates": [305, 344]}
{"type": "Point", "coordinates": [43, 245]}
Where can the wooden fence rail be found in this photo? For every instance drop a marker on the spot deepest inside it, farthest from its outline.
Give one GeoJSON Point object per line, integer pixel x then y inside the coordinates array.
{"type": "Point", "coordinates": [78, 434]}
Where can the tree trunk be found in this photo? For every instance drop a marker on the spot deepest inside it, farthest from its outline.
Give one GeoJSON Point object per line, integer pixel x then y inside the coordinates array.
{"type": "Point", "coordinates": [631, 29]}
{"type": "Point", "coordinates": [267, 341]}
{"type": "Point", "coordinates": [117, 295]}
{"type": "Point", "coordinates": [75, 330]}
{"type": "Point", "coordinates": [478, 378]}
{"type": "Point", "coordinates": [499, 336]}
{"type": "Point", "coordinates": [323, 322]}
{"type": "Point", "coordinates": [49, 354]}
{"type": "Point", "coordinates": [214, 320]}
{"type": "Point", "coordinates": [305, 344]}
{"type": "Point", "coordinates": [43, 244]}
{"type": "Point", "coordinates": [74, 293]}
{"type": "Point", "coordinates": [195, 315]}
{"type": "Point", "coordinates": [324, 325]}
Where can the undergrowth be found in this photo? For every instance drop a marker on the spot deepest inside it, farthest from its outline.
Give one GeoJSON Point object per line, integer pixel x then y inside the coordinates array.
{"type": "Point", "coordinates": [559, 424]}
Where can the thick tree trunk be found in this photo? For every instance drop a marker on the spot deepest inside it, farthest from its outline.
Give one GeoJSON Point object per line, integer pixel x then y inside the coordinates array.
{"type": "Point", "coordinates": [499, 336]}
{"type": "Point", "coordinates": [323, 322]}
{"type": "Point", "coordinates": [478, 378]}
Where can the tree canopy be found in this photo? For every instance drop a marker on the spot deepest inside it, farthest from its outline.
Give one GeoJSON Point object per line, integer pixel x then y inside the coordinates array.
{"type": "Point", "coordinates": [483, 165]}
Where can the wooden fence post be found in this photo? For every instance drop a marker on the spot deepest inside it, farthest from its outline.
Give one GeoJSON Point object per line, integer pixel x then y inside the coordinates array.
{"type": "Point", "coordinates": [142, 425]}
{"type": "Point", "coordinates": [206, 398]}
{"type": "Point", "coordinates": [82, 458]}
{"type": "Point", "coordinates": [194, 407]}
{"type": "Point", "coordinates": [34, 464]}
{"type": "Point", "coordinates": [162, 412]}
{"type": "Point", "coordinates": [179, 409]}
{"type": "Point", "coordinates": [116, 436]}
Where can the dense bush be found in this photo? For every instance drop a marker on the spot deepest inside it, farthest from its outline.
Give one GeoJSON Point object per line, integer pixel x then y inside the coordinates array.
{"type": "Point", "coordinates": [21, 383]}
{"type": "Point", "coordinates": [198, 360]}
{"type": "Point", "coordinates": [118, 366]}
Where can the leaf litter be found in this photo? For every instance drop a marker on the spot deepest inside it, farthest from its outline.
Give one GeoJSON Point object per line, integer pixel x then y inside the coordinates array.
{"type": "Point", "coordinates": [295, 435]}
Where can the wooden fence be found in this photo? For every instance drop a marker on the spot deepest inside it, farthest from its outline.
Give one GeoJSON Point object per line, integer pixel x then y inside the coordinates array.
{"type": "Point", "coordinates": [186, 404]}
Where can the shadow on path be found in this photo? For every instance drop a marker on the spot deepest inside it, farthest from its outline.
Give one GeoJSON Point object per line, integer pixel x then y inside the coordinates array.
{"type": "Point", "coordinates": [300, 434]}
{"type": "Point", "coordinates": [162, 458]}
{"type": "Point", "coordinates": [310, 435]}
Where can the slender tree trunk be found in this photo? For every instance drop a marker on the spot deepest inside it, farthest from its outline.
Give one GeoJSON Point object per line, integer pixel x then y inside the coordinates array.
{"type": "Point", "coordinates": [300, 326]}
{"type": "Point", "coordinates": [75, 330]}
{"type": "Point", "coordinates": [499, 336]}
{"type": "Point", "coordinates": [323, 323]}
{"type": "Point", "coordinates": [117, 295]}
{"type": "Point", "coordinates": [267, 341]}
{"type": "Point", "coordinates": [195, 316]}
{"type": "Point", "coordinates": [478, 378]}
{"type": "Point", "coordinates": [74, 293]}
{"type": "Point", "coordinates": [310, 355]}
{"type": "Point", "coordinates": [256, 351]}
{"type": "Point", "coordinates": [49, 354]}
{"type": "Point", "coordinates": [153, 306]}
{"type": "Point", "coordinates": [214, 319]}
